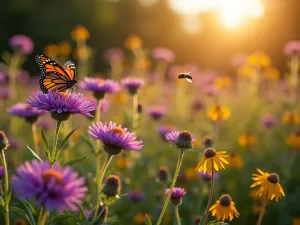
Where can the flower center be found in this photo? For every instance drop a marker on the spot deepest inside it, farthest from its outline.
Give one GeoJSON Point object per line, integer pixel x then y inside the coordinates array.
{"type": "Point", "coordinates": [225, 200]}
{"type": "Point", "coordinates": [48, 174]}
{"type": "Point", "coordinates": [117, 130]}
{"type": "Point", "coordinates": [273, 178]}
{"type": "Point", "coordinates": [210, 152]}
{"type": "Point", "coordinates": [99, 81]}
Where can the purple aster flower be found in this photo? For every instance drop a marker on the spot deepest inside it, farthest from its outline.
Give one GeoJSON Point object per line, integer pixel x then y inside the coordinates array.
{"type": "Point", "coordinates": [113, 55]}
{"type": "Point", "coordinates": [1, 172]}
{"type": "Point", "coordinates": [54, 187]}
{"type": "Point", "coordinates": [25, 111]}
{"type": "Point", "coordinates": [114, 138]}
{"type": "Point", "coordinates": [176, 195]}
{"type": "Point", "coordinates": [22, 42]}
{"type": "Point", "coordinates": [207, 177]}
{"type": "Point", "coordinates": [197, 105]}
{"type": "Point", "coordinates": [136, 195]}
{"type": "Point", "coordinates": [2, 78]}
{"type": "Point", "coordinates": [164, 129]}
{"type": "Point", "coordinates": [157, 112]}
{"type": "Point", "coordinates": [61, 105]}
{"type": "Point", "coordinates": [268, 120]}
{"type": "Point", "coordinates": [181, 139]}
{"type": "Point", "coordinates": [163, 54]}
{"type": "Point", "coordinates": [99, 86]}
{"type": "Point", "coordinates": [292, 48]}
{"type": "Point", "coordinates": [132, 84]}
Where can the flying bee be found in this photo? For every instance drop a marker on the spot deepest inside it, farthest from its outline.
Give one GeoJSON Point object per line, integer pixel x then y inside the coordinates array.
{"type": "Point", "coordinates": [187, 76]}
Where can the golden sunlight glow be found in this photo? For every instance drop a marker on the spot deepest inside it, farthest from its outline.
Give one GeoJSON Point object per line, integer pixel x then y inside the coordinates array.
{"type": "Point", "coordinates": [236, 12]}
{"type": "Point", "coordinates": [191, 6]}
{"type": "Point", "coordinates": [232, 13]}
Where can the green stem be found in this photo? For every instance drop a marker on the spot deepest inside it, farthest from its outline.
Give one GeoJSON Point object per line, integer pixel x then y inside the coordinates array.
{"type": "Point", "coordinates": [134, 111]}
{"type": "Point", "coordinates": [177, 215]}
{"type": "Point", "coordinates": [262, 209]}
{"type": "Point", "coordinates": [6, 187]}
{"type": "Point", "coordinates": [35, 139]}
{"type": "Point", "coordinates": [42, 217]}
{"type": "Point", "coordinates": [54, 152]}
{"type": "Point", "coordinates": [103, 170]}
{"type": "Point", "coordinates": [210, 193]}
{"type": "Point", "coordinates": [171, 188]}
{"type": "Point", "coordinates": [98, 111]}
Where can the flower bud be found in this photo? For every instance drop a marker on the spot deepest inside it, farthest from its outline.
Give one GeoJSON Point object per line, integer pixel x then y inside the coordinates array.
{"type": "Point", "coordinates": [163, 174]}
{"type": "Point", "coordinates": [101, 219]}
{"type": "Point", "coordinates": [112, 186]}
{"type": "Point", "coordinates": [3, 141]}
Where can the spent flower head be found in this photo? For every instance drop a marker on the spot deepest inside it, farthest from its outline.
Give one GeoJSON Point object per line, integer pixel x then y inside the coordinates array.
{"type": "Point", "coordinates": [181, 139]}
{"type": "Point", "coordinates": [3, 141]}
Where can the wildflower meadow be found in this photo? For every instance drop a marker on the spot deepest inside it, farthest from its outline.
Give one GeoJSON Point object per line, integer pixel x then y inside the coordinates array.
{"type": "Point", "coordinates": [149, 140]}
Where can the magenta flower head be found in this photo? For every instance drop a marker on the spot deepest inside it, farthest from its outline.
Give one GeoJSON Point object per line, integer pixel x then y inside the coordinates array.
{"type": "Point", "coordinates": [114, 138]}
{"type": "Point", "coordinates": [176, 195]}
{"type": "Point", "coordinates": [157, 112]}
{"type": "Point", "coordinates": [62, 105]}
{"type": "Point", "coordinates": [181, 139]}
{"type": "Point", "coordinates": [292, 48]}
{"type": "Point", "coordinates": [22, 43]}
{"type": "Point", "coordinates": [25, 111]}
{"type": "Point", "coordinates": [99, 86]}
{"type": "Point", "coordinates": [164, 129]}
{"type": "Point", "coordinates": [207, 176]}
{"type": "Point", "coordinates": [53, 187]}
{"type": "Point", "coordinates": [132, 84]}
{"type": "Point", "coordinates": [114, 55]}
{"type": "Point", "coordinates": [163, 54]}
{"type": "Point", "coordinates": [136, 195]}
{"type": "Point", "coordinates": [268, 120]}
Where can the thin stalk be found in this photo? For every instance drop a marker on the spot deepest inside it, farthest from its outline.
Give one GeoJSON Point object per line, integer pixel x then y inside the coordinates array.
{"type": "Point", "coordinates": [171, 188]}
{"type": "Point", "coordinates": [42, 217]}
{"type": "Point", "coordinates": [97, 143]}
{"type": "Point", "coordinates": [210, 193]}
{"type": "Point", "coordinates": [103, 170]}
{"type": "Point", "coordinates": [6, 188]}
{"type": "Point", "coordinates": [54, 152]}
{"type": "Point", "coordinates": [134, 111]}
{"type": "Point", "coordinates": [262, 210]}
{"type": "Point", "coordinates": [177, 215]}
{"type": "Point", "coordinates": [35, 139]}
{"type": "Point", "coordinates": [98, 111]}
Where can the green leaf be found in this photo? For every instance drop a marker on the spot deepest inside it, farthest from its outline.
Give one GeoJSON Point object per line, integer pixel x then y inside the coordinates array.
{"type": "Point", "coordinates": [65, 141]}
{"type": "Point", "coordinates": [8, 197]}
{"type": "Point", "coordinates": [87, 141]}
{"type": "Point", "coordinates": [6, 57]}
{"type": "Point", "coordinates": [62, 217]}
{"type": "Point", "coordinates": [28, 205]}
{"type": "Point", "coordinates": [45, 142]}
{"type": "Point", "coordinates": [81, 212]}
{"type": "Point", "coordinates": [21, 213]}
{"type": "Point", "coordinates": [1, 202]}
{"type": "Point", "coordinates": [29, 210]}
{"type": "Point", "coordinates": [76, 160]}
{"type": "Point", "coordinates": [148, 221]}
{"type": "Point", "coordinates": [34, 154]}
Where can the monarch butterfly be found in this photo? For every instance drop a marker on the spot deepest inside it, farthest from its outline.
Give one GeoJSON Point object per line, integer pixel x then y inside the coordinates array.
{"type": "Point", "coordinates": [187, 76]}
{"type": "Point", "coordinates": [54, 77]}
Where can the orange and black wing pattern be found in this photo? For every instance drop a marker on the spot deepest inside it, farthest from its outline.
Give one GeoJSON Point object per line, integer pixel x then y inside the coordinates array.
{"type": "Point", "coordinates": [54, 77]}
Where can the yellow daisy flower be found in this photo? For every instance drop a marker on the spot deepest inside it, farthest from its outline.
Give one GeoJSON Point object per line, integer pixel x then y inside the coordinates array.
{"type": "Point", "coordinates": [133, 42]}
{"type": "Point", "coordinates": [64, 48]}
{"type": "Point", "coordinates": [235, 161]}
{"type": "Point", "coordinates": [259, 59]}
{"type": "Point", "coordinates": [219, 113]}
{"type": "Point", "coordinates": [51, 50]}
{"type": "Point", "coordinates": [224, 209]}
{"type": "Point", "coordinates": [223, 82]}
{"type": "Point", "coordinates": [246, 140]}
{"type": "Point", "coordinates": [269, 185]}
{"type": "Point", "coordinates": [211, 159]}
{"type": "Point", "coordinates": [293, 140]}
{"type": "Point", "coordinates": [246, 71]}
{"type": "Point", "coordinates": [80, 33]}
{"type": "Point", "coordinates": [291, 118]}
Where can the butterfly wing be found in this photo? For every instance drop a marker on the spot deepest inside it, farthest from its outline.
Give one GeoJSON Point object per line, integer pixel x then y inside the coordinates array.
{"type": "Point", "coordinates": [70, 69]}
{"type": "Point", "coordinates": [54, 77]}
